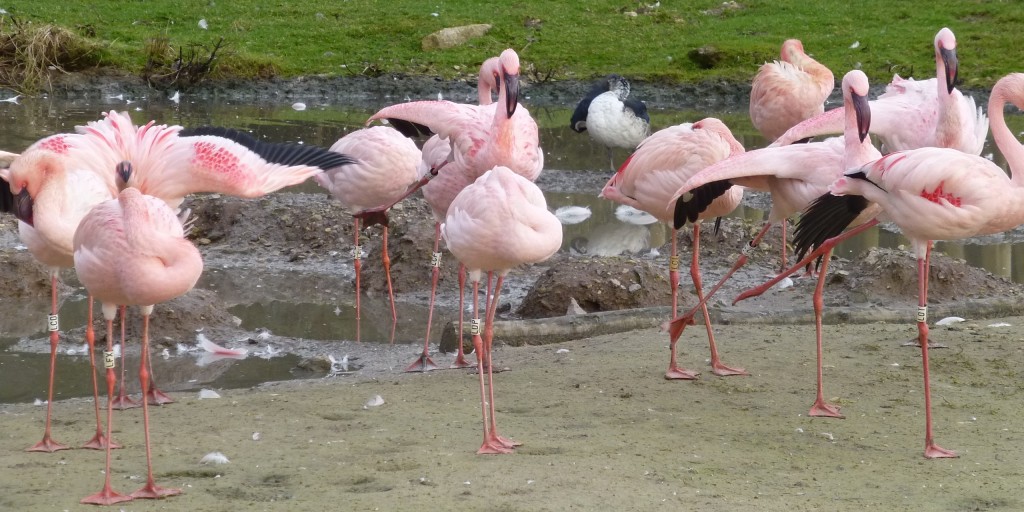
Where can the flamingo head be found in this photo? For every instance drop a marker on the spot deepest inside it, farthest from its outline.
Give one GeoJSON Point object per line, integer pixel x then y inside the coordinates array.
{"type": "Point", "coordinates": [490, 79]}
{"type": "Point", "coordinates": [791, 51]}
{"type": "Point", "coordinates": [945, 51]}
{"type": "Point", "coordinates": [124, 172]}
{"type": "Point", "coordinates": [856, 84]}
{"type": "Point", "coordinates": [23, 206]}
{"type": "Point", "coordinates": [509, 63]}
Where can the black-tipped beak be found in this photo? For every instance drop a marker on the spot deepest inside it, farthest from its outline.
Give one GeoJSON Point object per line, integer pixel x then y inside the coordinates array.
{"type": "Point", "coordinates": [23, 206]}
{"type": "Point", "coordinates": [124, 173]}
{"type": "Point", "coordinates": [952, 68]}
{"type": "Point", "coordinates": [511, 94]}
{"type": "Point", "coordinates": [863, 111]}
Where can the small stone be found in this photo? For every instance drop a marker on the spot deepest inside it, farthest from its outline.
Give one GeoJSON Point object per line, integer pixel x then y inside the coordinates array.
{"type": "Point", "coordinates": [454, 36]}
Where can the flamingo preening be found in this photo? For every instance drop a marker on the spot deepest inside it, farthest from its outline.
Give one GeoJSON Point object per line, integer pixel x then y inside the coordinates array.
{"type": "Point", "coordinates": [788, 91]}
{"type": "Point", "coordinates": [611, 117]}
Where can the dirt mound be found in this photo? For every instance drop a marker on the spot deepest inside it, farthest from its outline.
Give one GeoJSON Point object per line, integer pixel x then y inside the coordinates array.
{"type": "Point", "coordinates": [597, 284]}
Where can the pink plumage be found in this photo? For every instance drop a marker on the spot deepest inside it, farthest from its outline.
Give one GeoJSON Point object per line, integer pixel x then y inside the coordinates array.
{"type": "Point", "coordinates": [648, 180]}
{"type": "Point", "coordinates": [914, 114]}
{"type": "Point", "coordinates": [787, 91]}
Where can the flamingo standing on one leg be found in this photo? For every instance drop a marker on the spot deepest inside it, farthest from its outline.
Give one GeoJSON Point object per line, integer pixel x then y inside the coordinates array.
{"type": "Point", "coordinates": [931, 194]}
{"type": "Point", "coordinates": [611, 117]}
{"type": "Point", "coordinates": [498, 222]}
{"type": "Point", "coordinates": [647, 180]}
{"type": "Point", "coordinates": [787, 91]}
{"type": "Point", "coordinates": [794, 175]}
{"type": "Point", "coordinates": [386, 164]}
{"type": "Point", "coordinates": [915, 114]}
{"type": "Point", "coordinates": [132, 251]}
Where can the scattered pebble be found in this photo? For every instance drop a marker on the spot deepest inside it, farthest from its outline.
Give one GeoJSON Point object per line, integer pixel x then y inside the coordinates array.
{"type": "Point", "coordinates": [298, 105]}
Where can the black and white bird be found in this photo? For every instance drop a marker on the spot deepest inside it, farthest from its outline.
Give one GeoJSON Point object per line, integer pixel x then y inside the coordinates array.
{"type": "Point", "coordinates": [611, 117]}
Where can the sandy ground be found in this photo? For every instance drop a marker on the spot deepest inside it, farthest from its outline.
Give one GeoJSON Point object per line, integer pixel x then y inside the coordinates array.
{"type": "Point", "coordinates": [601, 430]}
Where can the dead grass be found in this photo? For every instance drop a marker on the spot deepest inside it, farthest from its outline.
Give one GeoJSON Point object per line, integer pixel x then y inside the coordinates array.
{"type": "Point", "coordinates": [30, 54]}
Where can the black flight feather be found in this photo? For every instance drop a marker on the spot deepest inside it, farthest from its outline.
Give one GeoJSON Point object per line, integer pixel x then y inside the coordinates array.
{"type": "Point", "coordinates": [826, 217]}
{"type": "Point", "coordinates": [409, 128]}
{"type": "Point", "coordinates": [702, 197]}
{"type": "Point", "coordinates": [275, 152]}
{"type": "Point", "coordinates": [6, 197]}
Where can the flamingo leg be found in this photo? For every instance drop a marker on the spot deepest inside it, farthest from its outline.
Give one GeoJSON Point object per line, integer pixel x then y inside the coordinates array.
{"type": "Point", "coordinates": [679, 323]}
{"type": "Point", "coordinates": [675, 372]}
{"type": "Point", "coordinates": [488, 344]}
{"type": "Point", "coordinates": [99, 440]}
{"type": "Point", "coordinates": [717, 367]}
{"type": "Point", "coordinates": [825, 247]}
{"type": "Point", "coordinates": [386, 259]}
{"type": "Point", "coordinates": [821, 408]}
{"type": "Point", "coordinates": [47, 444]}
{"type": "Point", "coordinates": [107, 496]}
{"type": "Point", "coordinates": [673, 274]}
{"type": "Point", "coordinates": [424, 363]}
{"type": "Point", "coordinates": [783, 225]}
{"type": "Point", "coordinates": [123, 401]}
{"type": "Point", "coordinates": [487, 447]}
{"type": "Point", "coordinates": [357, 256]}
{"type": "Point", "coordinates": [460, 355]}
{"type": "Point", "coordinates": [150, 490]}
{"type": "Point", "coordinates": [931, 450]}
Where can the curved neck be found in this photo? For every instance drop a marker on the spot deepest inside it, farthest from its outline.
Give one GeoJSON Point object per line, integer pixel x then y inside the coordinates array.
{"type": "Point", "coordinates": [1008, 145]}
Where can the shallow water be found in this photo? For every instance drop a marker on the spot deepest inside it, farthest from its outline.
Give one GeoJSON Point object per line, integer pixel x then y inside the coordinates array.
{"type": "Point", "coordinates": [23, 374]}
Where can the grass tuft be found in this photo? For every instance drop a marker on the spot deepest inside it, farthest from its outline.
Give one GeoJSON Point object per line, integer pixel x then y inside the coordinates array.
{"type": "Point", "coordinates": [30, 54]}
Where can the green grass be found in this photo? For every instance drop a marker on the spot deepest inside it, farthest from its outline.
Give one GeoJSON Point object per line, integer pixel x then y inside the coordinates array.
{"type": "Point", "coordinates": [572, 40]}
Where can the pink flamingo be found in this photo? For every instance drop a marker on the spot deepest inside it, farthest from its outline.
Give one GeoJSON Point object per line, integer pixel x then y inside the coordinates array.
{"type": "Point", "coordinates": [58, 179]}
{"type": "Point", "coordinates": [498, 222]}
{"type": "Point", "coordinates": [132, 251]}
{"type": "Point", "coordinates": [915, 114]}
{"type": "Point", "coordinates": [43, 174]}
{"type": "Point", "coordinates": [439, 189]}
{"type": "Point", "coordinates": [931, 194]}
{"type": "Point", "coordinates": [787, 91]}
{"type": "Point", "coordinates": [482, 137]}
{"type": "Point", "coordinates": [647, 180]}
{"type": "Point", "coordinates": [386, 164]}
{"type": "Point", "coordinates": [795, 176]}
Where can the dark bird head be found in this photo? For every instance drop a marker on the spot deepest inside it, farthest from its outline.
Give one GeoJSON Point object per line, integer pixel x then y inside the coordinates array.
{"type": "Point", "coordinates": [23, 206]}
{"type": "Point", "coordinates": [945, 46]}
{"type": "Point", "coordinates": [123, 170]}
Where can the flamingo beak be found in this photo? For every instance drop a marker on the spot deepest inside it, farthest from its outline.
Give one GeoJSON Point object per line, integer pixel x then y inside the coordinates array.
{"type": "Point", "coordinates": [511, 93]}
{"type": "Point", "coordinates": [952, 65]}
{"type": "Point", "coordinates": [124, 173]}
{"type": "Point", "coordinates": [23, 206]}
{"type": "Point", "coordinates": [863, 111]}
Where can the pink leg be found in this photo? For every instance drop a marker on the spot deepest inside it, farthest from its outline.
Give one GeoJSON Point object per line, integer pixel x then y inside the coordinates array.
{"type": "Point", "coordinates": [150, 490]}
{"type": "Point", "coordinates": [488, 446]}
{"type": "Point", "coordinates": [679, 323]}
{"type": "Point", "coordinates": [107, 496]}
{"type": "Point", "coordinates": [931, 450]}
{"type": "Point", "coordinates": [783, 224]}
{"type": "Point", "coordinates": [675, 372]}
{"type": "Point", "coordinates": [99, 440]}
{"type": "Point", "coordinates": [673, 275]}
{"type": "Point", "coordinates": [123, 401]}
{"type": "Point", "coordinates": [460, 355]}
{"type": "Point", "coordinates": [386, 258]}
{"type": "Point", "coordinates": [424, 363]}
{"type": "Point", "coordinates": [47, 444]}
{"type": "Point", "coordinates": [492, 309]}
{"type": "Point", "coordinates": [821, 408]}
{"type": "Point", "coordinates": [357, 255]}
{"type": "Point", "coordinates": [826, 246]}
{"type": "Point", "coordinates": [717, 367]}
{"type": "Point", "coordinates": [153, 395]}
